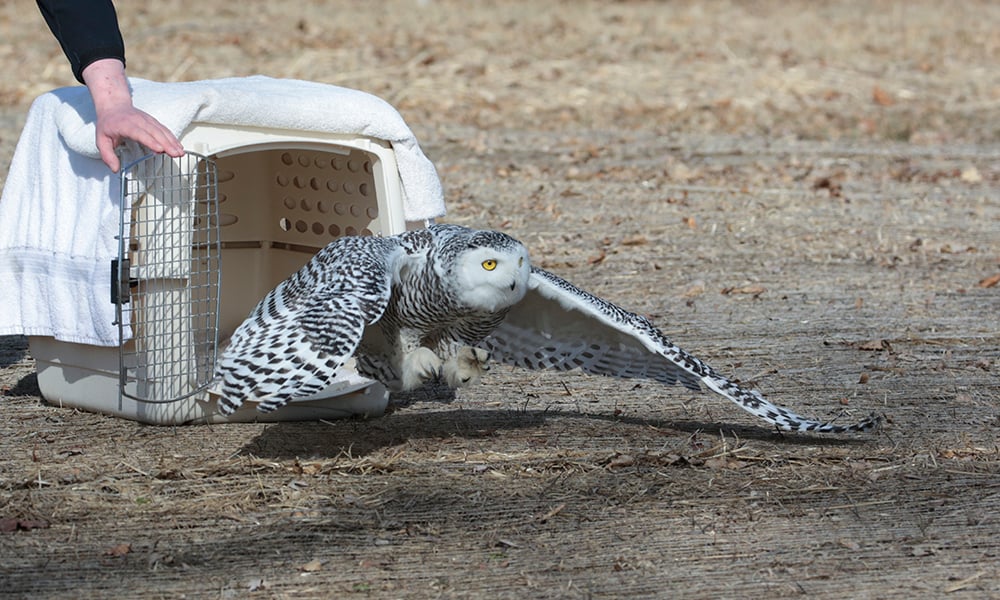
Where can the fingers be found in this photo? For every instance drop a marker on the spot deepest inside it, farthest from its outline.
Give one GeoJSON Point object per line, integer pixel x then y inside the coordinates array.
{"type": "Point", "coordinates": [157, 138]}
{"type": "Point", "coordinates": [106, 146]}
{"type": "Point", "coordinates": [133, 124]}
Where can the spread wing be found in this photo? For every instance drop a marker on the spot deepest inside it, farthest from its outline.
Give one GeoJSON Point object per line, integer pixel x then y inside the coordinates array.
{"type": "Point", "coordinates": [305, 329]}
{"type": "Point", "coordinates": [559, 326]}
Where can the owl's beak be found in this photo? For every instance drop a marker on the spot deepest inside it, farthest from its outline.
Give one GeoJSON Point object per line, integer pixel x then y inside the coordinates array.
{"type": "Point", "coordinates": [513, 284]}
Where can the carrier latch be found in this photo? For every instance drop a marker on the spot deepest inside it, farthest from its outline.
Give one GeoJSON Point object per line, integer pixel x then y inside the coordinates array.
{"type": "Point", "coordinates": [121, 283]}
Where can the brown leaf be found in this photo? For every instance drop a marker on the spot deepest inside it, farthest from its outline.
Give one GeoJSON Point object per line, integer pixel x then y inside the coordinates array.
{"type": "Point", "coordinates": [752, 289]}
{"type": "Point", "coordinates": [825, 183]}
{"type": "Point", "coordinates": [622, 460]}
{"type": "Point", "coordinates": [696, 288]}
{"type": "Point", "coordinates": [988, 282]}
{"type": "Point", "coordinates": [311, 468]}
{"type": "Point", "coordinates": [874, 345]}
{"type": "Point", "coordinates": [864, 378]}
{"type": "Point", "coordinates": [882, 97]}
{"type": "Point", "coordinates": [10, 525]}
{"type": "Point", "coordinates": [119, 550]}
{"type": "Point", "coordinates": [596, 260]}
{"type": "Point", "coordinates": [311, 566]}
{"type": "Point", "coordinates": [635, 240]}
{"type": "Point", "coordinates": [849, 544]}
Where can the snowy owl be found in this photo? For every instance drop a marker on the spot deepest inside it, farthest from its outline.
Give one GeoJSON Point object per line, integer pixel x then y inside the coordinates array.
{"type": "Point", "coordinates": [441, 302]}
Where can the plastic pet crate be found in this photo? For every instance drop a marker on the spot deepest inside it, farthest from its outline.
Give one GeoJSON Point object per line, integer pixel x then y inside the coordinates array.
{"type": "Point", "coordinates": [240, 213]}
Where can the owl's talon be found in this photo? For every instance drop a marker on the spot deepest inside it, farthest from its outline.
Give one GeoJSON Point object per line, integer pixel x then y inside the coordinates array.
{"type": "Point", "coordinates": [419, 366]}
{"type": "Point", "coordinates": [466, 367]}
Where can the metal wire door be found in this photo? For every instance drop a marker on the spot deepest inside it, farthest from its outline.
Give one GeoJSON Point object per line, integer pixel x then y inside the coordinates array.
{"type": "Point", "coordinates": [165, 282]}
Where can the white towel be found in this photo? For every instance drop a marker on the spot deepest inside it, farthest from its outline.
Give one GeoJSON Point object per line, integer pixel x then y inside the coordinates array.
{"type": "Point", "coordinates": [274, 103]}
{"type": "Point", "coordinates": [59, 211]}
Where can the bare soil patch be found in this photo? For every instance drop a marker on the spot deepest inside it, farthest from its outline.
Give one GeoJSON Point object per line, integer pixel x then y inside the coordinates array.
{"type": "Point", "coordinates": [805, 195]}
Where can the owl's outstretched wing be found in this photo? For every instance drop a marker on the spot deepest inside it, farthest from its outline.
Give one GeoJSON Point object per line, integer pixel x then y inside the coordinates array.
{"type": "Point", "coordinates": [304, 330]}
{"type": "Point", "coordinates": [559, 326]}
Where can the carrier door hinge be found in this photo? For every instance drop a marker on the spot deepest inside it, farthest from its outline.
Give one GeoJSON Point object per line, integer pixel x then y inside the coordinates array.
{"type": "Point", "coordinates": [121, 283]}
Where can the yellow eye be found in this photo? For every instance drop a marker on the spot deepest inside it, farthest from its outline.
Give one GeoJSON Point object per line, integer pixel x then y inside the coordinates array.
{"type": "Point", "coordinates": [490, 264]}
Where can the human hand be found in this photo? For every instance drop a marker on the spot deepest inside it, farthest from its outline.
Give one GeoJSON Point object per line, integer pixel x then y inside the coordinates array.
{"type": "Point", "coordinates": [118, 119]}
{"type": "Point", "coordinates": [117, 123]}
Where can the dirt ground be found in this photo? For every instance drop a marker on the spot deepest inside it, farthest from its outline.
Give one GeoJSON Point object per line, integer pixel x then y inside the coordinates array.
{"type": "Point", "coordinates": [805, 195]}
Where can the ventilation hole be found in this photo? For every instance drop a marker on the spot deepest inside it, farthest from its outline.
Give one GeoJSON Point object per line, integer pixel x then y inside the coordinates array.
{"type": "Point", "coordinates": [223, 198]}
{"type": "Point", "coordinates": [281, 180]}
{"type": "Point", "coordinates": [300, 182]}
{"type": "Point", "coordinates": [353, 166]}
{"type": "Point", "coordinates": [306, 204]}
{"type": "Point", "coordinates": [288, 201]}
{"type": "Point", "coordinates": [333, 186]}
{"type": "Point", "coordinates": [225, 176]}
{"type": "Point", "coordinates": [227, 219]}
{"type": "Point", "coordinates": [318, 228]}
{"type": "Point", "coordinates": [339, 208]}
{"type": "Point", "coordinates": [284, 224]}
{"type": "Point", "coordinates": [301, 226]}
{"type": "Point", "coordinates": [335, 230]}
{"type": "Point", "coordinates": [372, 212]}
{"type": "Point", "coordinates": [320, 162]}
{"type": "Point", "coordinates": [336, 163]}
{"type": "Point", "coordinates": [350, 231]}
{"type": "Point", "coordinates": [368, 166]}
{"type": "Point", "coordinates": [367, 232]}
{"type": "Point", "coordinates": [304, 160]}
{"type": "Point", "coordinates": [363, 189]}
{"type": "Point", "coordinates": [348, 187]}
{"type": "Point", "coordinates": [314, 183]}
{"type": "Point", "coordinates": [323, 206]}
{"type": "Point", "coordinates": [287, 158]}
{"type": "Point", "coordinates": [355, 210]}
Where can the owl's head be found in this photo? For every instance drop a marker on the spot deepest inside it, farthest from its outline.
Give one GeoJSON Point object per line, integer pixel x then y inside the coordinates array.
{"type": "Point", "coordinates": [492, 272]}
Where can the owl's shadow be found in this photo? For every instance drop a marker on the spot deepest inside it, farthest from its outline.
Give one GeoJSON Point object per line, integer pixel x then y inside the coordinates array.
{"type": "Point", "coordinates": [406, 423]}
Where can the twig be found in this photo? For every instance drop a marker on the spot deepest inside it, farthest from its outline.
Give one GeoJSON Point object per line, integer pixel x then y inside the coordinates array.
{"type": "Point", "coordinates": [553, 512]}
{"type": "Point", "coordinates": [960, 585]}
{"type": "Point", "coordinates": [858, 504]}
{"type": "Point", "coordinates": [136, 469]}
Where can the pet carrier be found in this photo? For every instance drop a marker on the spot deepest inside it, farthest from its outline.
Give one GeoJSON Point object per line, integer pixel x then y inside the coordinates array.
{"type": "Point", "coordinates": [203, 238]}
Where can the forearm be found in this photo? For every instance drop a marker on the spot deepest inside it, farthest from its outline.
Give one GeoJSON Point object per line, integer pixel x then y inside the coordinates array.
{"type": "Point", "coordinates": [108, 86]}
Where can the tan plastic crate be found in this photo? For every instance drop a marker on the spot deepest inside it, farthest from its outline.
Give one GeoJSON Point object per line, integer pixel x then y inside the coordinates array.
{"type": "Point", "coordinates": [283, 195]}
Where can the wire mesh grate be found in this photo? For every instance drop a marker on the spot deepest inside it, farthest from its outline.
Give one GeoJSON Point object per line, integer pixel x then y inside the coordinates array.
{"type": "Point", "coordinates": [167, 277]}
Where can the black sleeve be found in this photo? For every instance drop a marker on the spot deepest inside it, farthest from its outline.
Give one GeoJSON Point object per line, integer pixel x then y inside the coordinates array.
{"type": "Point", "coordinates": [87, 30]}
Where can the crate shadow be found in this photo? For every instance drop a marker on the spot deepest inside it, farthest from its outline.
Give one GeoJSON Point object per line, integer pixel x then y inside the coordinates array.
{"type": "Point", "coordinates": [13, 349]}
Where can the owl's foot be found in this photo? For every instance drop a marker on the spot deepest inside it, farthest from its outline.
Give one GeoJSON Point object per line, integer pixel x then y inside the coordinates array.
{"type": "Point", "coordinates": [419, 366]}
{"type": "Point", "coordinates": [466, 367]}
